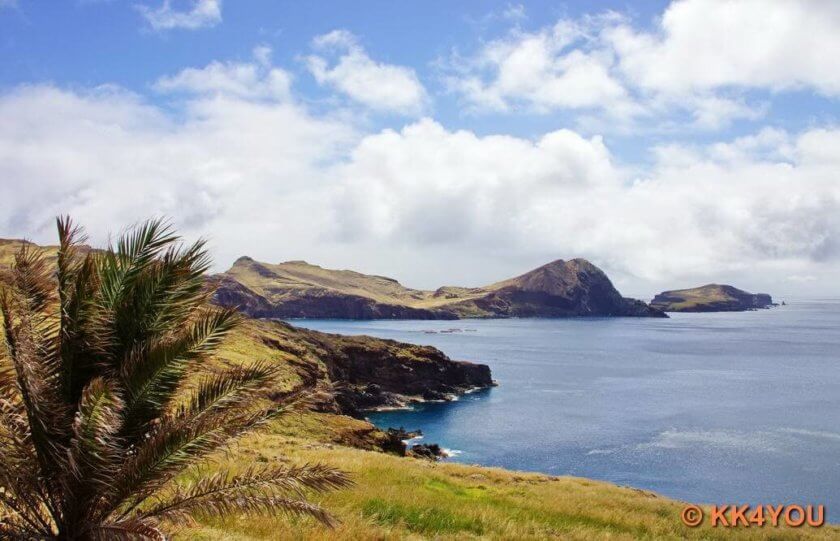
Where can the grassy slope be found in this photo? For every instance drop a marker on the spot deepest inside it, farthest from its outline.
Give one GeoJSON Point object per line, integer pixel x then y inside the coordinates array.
{"type": "Point", "coordinates": [8, 249]}
{"type": "Point", "coordinates": [298, 275]}
{"type": "Point", "coordinates": [404, 498]}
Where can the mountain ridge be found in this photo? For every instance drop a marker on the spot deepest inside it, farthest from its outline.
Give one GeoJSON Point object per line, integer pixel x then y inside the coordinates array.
{"type": "Point", "coordinates": [297, 289]}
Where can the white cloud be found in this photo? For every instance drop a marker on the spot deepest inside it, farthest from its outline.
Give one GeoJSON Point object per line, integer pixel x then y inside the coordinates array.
{"type": "Point", "coordinates": [248, 80]}
{"type": "Point", "coordinates": [709, 44]}
{"type": "Point", "coordinates": [695, 68]}
{"type": "Point", "coordinates": [553, 68]}
{"type": "Point", "coordinates": [238, 158]}
{"type": "Point", "coordinates": [698, 215]}
{"type": "Point", "coordinates": [232, 165]}
{"type": "Point", "coordinates": [379, 86]}
{"type": "Point", "coordinates": [202, 14]}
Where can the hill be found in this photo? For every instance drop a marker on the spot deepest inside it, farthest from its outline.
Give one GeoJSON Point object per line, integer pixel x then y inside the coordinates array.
{"type": "Point", "coordinates": [296, 289]}
{"type": "Point", "coordinates": [710, 298]}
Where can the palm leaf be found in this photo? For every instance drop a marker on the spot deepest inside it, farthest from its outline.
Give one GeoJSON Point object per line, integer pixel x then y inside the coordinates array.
{"type": "Point", "coordinates": [153, 372]}
{"type": "Point", "coordinates": [98, 412]}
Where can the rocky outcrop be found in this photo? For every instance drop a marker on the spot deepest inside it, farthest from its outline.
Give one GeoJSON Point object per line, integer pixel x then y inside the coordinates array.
{"type": "Point", "coordinates": [711, 298]}
{"type": "Point", "coordinates": [366, 373]}
{"type": "Point", "coordinates": [382, 374]}
{"type": "Point", "coordinates": [296, 289]}
{"type": "Point", "coordinates": [429, 451]}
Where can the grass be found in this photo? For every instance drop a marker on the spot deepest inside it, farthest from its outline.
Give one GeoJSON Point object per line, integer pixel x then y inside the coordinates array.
{"type": "Point", "coordinates": [402, 498]}
{"type": "Point", "coordinates": [276, 282]}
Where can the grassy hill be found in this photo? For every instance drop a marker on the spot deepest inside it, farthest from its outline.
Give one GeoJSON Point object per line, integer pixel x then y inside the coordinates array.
{"type": "Point", "coordinates": [298, 289]}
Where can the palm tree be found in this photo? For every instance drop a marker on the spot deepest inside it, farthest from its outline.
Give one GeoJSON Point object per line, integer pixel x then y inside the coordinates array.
{"type": "Point", "coordinates": [100, 424]}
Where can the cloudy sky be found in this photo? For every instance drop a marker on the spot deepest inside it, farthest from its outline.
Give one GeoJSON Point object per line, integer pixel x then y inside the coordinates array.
{"type": "Point", "coordinates": [438, 142]}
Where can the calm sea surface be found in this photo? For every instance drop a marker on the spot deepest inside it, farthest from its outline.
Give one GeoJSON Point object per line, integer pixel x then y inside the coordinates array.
{"type": "Point", "coordinates": [714, 408]}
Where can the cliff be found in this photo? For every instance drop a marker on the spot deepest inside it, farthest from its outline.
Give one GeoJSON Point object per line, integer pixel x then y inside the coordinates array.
{"type": "Point", "coordinates": [296, 289]}
{"type": "Point", "coordinates": [710, 298]}
{"type": "Point", "coordinates": [358, 373]}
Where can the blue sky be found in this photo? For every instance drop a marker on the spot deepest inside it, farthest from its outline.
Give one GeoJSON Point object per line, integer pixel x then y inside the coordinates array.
{"type": "Point", "coordinates": [669, 142]}
{"type": "Point", "coordinates": [95, 42]}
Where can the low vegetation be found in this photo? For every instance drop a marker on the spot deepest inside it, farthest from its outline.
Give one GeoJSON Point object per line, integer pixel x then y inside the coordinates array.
{"type": "Point", "coordinates": [398, 498]}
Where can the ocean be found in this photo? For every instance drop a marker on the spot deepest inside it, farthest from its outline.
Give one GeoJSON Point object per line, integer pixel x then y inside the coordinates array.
{"type": "Point", "coordinates": [711, 408]}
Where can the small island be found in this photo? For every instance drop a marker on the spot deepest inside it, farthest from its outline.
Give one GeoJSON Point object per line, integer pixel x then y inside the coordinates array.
{"type": "Point", "coordinates": [710, 298]}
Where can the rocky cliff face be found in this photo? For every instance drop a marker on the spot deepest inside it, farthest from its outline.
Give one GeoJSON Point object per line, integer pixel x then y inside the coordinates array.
{"type": "Point", "coordinates": [710, 298]}
{"type": "Point", "coordinates": [299, 290]}
{"type": "Point", "coordinates": [358, 373]}
{"type": "Point", "coordinates": [375, 373]}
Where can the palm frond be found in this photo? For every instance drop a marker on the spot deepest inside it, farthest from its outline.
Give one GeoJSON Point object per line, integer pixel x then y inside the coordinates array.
{"type": "Point", "coordinates": [32, 277]}
{"type": "Point", "coordinates": [176, 444]}
{"type": "Point", "coordinates": [127, 530]}
{"type": "Point", "coordinates": [29, 343]}
{"type": "Point", "coordinates": [249, 504]}
{"type": "Point", "coordinates": [279, 481]}
{"type": "Point", "coordinates": [228, 389]}
{"type": "Point", "coordinates": [85, 334]}
{"type": "Point", "coordinates": [152, 373]}
{"type": "Point", "coordinates": [95, 451]}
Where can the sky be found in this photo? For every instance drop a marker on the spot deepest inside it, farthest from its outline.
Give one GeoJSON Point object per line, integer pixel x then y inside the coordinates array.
{"type": "Point", "coordinates": [673, 144]}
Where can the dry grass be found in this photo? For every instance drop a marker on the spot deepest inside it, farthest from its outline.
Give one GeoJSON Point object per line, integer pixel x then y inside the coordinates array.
{"type": "Point", "coordinates": [402, 498]}
{"type": "Point", "coordinates": [274, 281]}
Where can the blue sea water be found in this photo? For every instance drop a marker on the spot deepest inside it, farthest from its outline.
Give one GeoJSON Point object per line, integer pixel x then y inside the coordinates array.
{"type": "Point", "coordinates": [712, 408]}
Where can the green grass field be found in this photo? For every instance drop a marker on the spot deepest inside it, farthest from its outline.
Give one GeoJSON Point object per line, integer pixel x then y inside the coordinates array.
{"type": "Point", "coordinates": [405, 498]}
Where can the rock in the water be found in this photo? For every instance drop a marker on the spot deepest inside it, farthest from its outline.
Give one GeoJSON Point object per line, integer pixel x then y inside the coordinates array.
{"type": "Point", "coordinates": [396, 438]}
{"type": "Point", "coordinates": [431, 451]}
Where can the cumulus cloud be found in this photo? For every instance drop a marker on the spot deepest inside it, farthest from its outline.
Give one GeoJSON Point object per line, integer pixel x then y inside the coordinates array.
{"type": "Point", "coordinates": [269, 179]}
{"type": "Point", "coordinates": [344, 65]}
{"type": "Point", "coordinates": [556, 67]}
{"type": "Point", "coordinates": [201, 14]}
{"type": "Point", "coordinates": [241, 169]}
{"type": "Point", "coordinates": [700, 59]}
{"type": "Point", "coordinates": [247, 80]}
{"type": "Point", "coordinates": [235, 156]}
{"type": "Point", "coordinates": [763, 202]}
{"type": "Point", "coordinates": [709, 44]}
